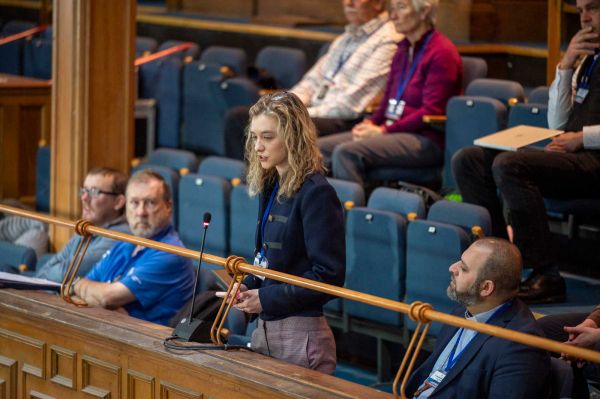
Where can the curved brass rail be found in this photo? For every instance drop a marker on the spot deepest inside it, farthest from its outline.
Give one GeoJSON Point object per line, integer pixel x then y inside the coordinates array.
{"type": "Point", "coordinates": [423, 313]}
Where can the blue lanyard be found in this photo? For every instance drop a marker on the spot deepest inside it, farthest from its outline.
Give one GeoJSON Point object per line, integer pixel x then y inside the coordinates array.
{"type": "Point", "coordinates": [404, 83]}
{"type": "Point", "coordinates": [265, 217]}
{"type": "Point", "coordinates": [453, 359]}
{"type": "Point", "coordinates": [345, 57]}
{"type": "Point", "coordinates": [585, 78]}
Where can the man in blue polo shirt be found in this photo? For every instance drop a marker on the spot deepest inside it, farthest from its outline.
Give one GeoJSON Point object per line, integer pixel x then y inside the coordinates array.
{"type": "Point", "coordinates": [148, 284]}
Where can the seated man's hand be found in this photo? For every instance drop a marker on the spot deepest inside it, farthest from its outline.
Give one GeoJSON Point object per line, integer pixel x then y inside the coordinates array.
{"type": "Point", "coordinates": [566, 142]}
{"type": "Point", "coordinates": [366, 129]}
{"type": "Point", "coordinates": [249, 302]}
{"type": "Point", "coordinates": [585, 334]}
{"type": "Point", "coordinates": [583, 43]}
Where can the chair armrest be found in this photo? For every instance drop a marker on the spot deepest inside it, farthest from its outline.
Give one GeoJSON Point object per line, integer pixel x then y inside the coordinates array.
{"type": "Point", "coordinates": [438, 122]}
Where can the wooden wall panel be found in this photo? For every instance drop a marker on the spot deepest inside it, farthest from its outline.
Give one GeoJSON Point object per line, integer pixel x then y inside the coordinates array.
{"type": "Point", "coordinates": [100, 379]}
{"type": "Point", "coordinates": [120, 357]}
{"type": "Point", "coordinates": [31, 351]}
{"type": "Point", "coordinates": [140, 385]}
{"type": "Point", "coordinates": [93, 97]}
{"type": "Point", "coordinates": [63, 366]}
{"type": "Point", "coordinates": [8, 378]}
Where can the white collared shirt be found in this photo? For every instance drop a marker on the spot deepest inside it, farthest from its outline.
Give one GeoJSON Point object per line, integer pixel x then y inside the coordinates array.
{"type": "Point", "coordinates": [560, 103]}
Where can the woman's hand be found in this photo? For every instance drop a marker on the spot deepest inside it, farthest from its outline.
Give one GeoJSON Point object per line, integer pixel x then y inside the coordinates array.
{"type": "Point", "coordinates": [249, 302]}
{"type": "Point", "coordinates": [366, 129]}
{"type": "Point", "coordinates": [221, 294]}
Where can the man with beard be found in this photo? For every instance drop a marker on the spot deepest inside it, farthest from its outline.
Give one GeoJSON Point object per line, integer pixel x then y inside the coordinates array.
{"type": "Point", "coordinates": [146, 283]}
{"type": "Point", "coordinates": [466, 364]}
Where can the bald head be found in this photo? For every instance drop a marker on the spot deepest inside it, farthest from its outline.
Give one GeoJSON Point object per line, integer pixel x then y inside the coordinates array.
{"type": "Point", "coordinates": [502, 265]}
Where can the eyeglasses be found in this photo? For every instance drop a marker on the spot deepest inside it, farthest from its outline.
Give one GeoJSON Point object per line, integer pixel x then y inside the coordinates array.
{"type": "Point", "coordinates": [94, 192]}
{"type": "Point", "coordinates": [150, 204]}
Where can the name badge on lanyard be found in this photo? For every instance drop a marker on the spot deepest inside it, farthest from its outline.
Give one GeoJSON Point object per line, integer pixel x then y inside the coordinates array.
{"type": "Point", "coordinates": [583, 88]}
{"type": "Point", "coordinates": [323, 91]}
{"type": "Point", "coordinates": [581, 94]}
{"type": "Point", "coordinates": [261, 259]}
{"type": "Point", "coordinates": [436, 378]}
{"type": "Point", "coordinates": [395, 109]}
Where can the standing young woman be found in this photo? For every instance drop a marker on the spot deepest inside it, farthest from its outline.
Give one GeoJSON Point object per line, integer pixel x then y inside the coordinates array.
{"type": "Point", "coordinates": [300, 231]}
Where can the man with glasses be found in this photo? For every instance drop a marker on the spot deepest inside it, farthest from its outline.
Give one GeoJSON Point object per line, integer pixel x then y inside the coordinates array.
{"type": "Point", "coordinates": [103, 204]}
{"type": "Point", "coordinates": [146, 283]}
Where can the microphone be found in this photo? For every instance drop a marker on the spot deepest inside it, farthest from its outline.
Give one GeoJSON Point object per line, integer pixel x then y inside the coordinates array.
{"type": "Point", "coordinates": [190, 329]}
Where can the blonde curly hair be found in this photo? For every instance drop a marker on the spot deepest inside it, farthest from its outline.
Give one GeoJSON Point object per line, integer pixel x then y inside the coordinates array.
{"type": "Point", "coordinates": [299, 134]}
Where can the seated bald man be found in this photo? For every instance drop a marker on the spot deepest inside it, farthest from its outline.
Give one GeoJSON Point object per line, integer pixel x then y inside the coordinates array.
{"type": "Point", "coordinates": [469, 365]}
{"type": "Point", "coordinates": [148, 284]}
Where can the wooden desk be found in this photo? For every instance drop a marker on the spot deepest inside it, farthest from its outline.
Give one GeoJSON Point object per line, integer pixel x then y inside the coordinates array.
{"type": "Point", "coordinates": [50, 349]}
{"type": "Point", "coordinates": [24, 120]}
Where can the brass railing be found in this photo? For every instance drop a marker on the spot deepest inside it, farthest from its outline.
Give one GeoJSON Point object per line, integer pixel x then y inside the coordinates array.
{"type": "Point", "coordinates": [422, 313]}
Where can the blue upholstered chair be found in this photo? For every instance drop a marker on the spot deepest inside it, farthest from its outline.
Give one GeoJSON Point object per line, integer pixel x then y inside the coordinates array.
{"type": "Point", "coordinates": [11, 54]}
{"type": "Point", "coordinates": [145, 45]}
{"type": "Point", "coordinates": [16, 255]}
{"type": "Point", "coordinates": [539, 95]}
{"type": "Point", "coordinates": [42, 179]}
{"type": "Point", "coordinates": [433, 245]}
{"type": "Point", "coordinates": [203, 105]}
{"type": "Point", "coordinates": [350, 194]}
{"type": "Point", "coordinates": [199, 194]}
{"type": "Point", "coordinates": [242, 222]}
{"type": "Point", "coordinates": [285, 64]}
{"type": "Point", "coordinates": [186, 55]}
{"type": "Point", "coordinates": [375, 252]}
{"type": "Point", "coordinates": [37, 58]}
{"type": "Point", "coordinates": [181, 161]}
{"type": "Point", "coordinates": [468, 119]}
{"type": "Point", "coordinates": [473, 68]}
{"type": "Point", "coordinates": [226, 168]}
{"type": "Point", "coordinates": [506, 91]}
{"type": "Point", "coordinates": [531, 114]}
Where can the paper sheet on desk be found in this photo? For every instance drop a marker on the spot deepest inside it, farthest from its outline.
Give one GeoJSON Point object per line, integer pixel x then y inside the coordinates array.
{"type": "Point", "coordinates": [17, 281]}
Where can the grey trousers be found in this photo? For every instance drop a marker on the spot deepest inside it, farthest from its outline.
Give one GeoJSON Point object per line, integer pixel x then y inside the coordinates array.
{"type": "Point", "coordinates": [351, 160]}
{"type": "Point", "coordinates": [305, 341]}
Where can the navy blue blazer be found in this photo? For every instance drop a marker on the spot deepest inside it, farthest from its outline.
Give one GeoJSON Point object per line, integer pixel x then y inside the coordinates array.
{"type": "Point", "coordinates": [304, 236]}
{"type": "Point", "coordinates": [491, 367]}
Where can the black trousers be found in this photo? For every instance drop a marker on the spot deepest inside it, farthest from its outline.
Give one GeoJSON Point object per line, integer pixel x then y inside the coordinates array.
{"type": "Point", "coordinates": [523, 179]}
{"type": "Point", "coordinates": [553, 327]}
{"type": "Point", "coordinates": [236, 120]}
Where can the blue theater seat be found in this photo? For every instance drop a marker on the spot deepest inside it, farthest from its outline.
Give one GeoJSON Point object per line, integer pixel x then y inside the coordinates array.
{"type": "Point", "coordinates": [433, 245]}
{"type": "Point", "coordinates": [242, 222]}
{"type": "Point", "coordinates": [199, 194]}
{"type": "Point", "coordinates": [468, 119]}
{"type": "Point", "coordinates": [203, 104]}
{"type": "Point", "coordinates": [285, 64]}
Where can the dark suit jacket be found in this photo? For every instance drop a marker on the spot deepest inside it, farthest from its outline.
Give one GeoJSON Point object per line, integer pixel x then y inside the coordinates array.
{"type": "Point", "coordinates": [491, 367]}
{"type": "Point", "coordinates": [304, 236]}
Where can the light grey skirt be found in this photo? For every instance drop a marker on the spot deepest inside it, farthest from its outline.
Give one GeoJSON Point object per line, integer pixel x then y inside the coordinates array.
{"type": "Point", "coordinates": [305, 341]}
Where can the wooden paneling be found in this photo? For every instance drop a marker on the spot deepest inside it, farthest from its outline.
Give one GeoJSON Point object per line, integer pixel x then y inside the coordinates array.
{"type": "Point", "coordinates": [8, 378]}
{"type": "Point", "coordinates": [100, 379]}
{"type": "Point", "coordinates": [140, 386]}
{"type": "Point", "coordinates": [63, 366]}
{"type": "Point", "coordinates": [93, 98]}
{"type": "Point", "coordinates": [24, 121]}
{"type": "Point", "coordinates": [120, 357]}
